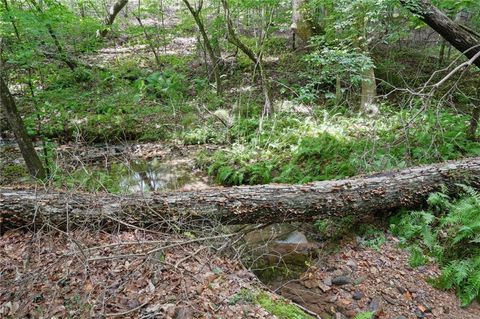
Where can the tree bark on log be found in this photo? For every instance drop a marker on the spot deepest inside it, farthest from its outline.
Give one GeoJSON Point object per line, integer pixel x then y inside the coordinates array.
{"type": "Point", "coordinates": [455, 33]}
{"type": "Point", "coordinates": [358, 197]}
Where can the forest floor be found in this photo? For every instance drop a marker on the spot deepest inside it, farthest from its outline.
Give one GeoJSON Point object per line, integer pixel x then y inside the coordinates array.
{"type": "Point", "coordinates": [97, 275]}
{"type": "Point", "coordinates": [140, 274]}
{"type": "Point", "coordinates": [359, 279]}
{"type": "Point", "coordinates": [136, 274]}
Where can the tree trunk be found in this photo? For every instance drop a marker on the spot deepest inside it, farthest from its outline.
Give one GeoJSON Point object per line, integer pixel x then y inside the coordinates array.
{"type": "Point", "coordinates": [112, 14]}
{"type": "Point", "coordinates": [369, 92]}
{"type": "Point", "coordinates": [15, 122]}
{"type": "Point", "coordinates": [62, 56]}
{"type": "Point", "coordinates": [357, 197]}
{"type": "Point", "coordinates": [301, 27]}
{"type": "Point", "coordinates": [472, 129]}
{"type": "Point", "coordinates": [457, 35]}
{"type": "Point", "coordinates": [215, 59]}
{"type": "Point", "coordinates": [255, 58]}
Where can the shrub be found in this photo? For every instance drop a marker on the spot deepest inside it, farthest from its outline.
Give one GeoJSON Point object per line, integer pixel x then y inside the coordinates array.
{"type": "Point", "coordinates": [449, 232]}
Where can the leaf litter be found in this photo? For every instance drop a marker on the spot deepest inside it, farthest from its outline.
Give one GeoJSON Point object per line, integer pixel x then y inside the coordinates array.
{"type": "Point", "coordinates": [85, 275]}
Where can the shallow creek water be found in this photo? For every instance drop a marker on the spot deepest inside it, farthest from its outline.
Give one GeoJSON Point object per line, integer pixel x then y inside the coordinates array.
{"type": "Point", "coordinates": [275, 253]}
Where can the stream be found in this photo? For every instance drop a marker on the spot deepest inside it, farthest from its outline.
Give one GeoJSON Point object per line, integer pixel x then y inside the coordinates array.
{"type": "Point", "coordinates": [276, 253]}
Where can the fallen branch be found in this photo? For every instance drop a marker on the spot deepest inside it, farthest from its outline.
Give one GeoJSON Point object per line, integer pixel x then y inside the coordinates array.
{"type": "Point", "coordinates": [357, 197]}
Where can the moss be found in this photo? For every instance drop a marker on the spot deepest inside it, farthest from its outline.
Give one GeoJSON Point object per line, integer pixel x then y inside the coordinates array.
{"type": "Point", "coordinates": [11, 173]}
{"type": "Point", "coordinates": [281, 308]}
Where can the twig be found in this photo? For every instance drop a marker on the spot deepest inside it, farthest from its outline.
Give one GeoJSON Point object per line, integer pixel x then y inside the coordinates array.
{"type": "Point", "coordinates": [458, 68]}
{"type": "Point", "coordinates": [189, 256]}
{"type": "Point", "coordinates": [128, 311]}
{"type": "Point", "coordinates": [159, 248]}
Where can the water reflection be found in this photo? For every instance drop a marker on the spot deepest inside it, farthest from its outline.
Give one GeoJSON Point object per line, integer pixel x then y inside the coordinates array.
{"type": "Point", "coordinates": [155, 175]}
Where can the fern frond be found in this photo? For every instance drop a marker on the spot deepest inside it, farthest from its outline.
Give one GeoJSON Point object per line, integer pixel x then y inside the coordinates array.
{"type": "Point", "coordinates": [365, 315]}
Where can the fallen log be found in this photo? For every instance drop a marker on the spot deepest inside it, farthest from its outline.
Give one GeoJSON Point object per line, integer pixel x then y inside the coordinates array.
{"type": "Point", "coordinates": [358, 197]}
{"type": "Point", "coordinates": [460, 37]}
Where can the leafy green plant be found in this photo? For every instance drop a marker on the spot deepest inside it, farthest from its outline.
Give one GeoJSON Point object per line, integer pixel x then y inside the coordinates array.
{"type": "Point", "coordinates": [168, 84]}
{"type": "Point", "coordinates": [365, 315]}
{"type": "Point", "coordinates": [373, 237]}
{"type": "Point", "coordinates": [299, 148]}
{"type": "Point", "coordinates": [450, 233]}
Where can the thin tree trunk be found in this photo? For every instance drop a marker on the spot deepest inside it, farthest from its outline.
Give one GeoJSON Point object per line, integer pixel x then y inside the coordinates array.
{"type": "Point", "coordinates": [441, 56]}
{"type": "Point", "coordinates": [112, 14]}
{"type": "Point", "coordinates": [472, 129]}
{"type": "Point", "coordinates": [358, 197]}
{"type": "Point", "coordinates": [215, 59]}
{"type": "Point", "coordinates": [369, 90]}
{"type": "Point", "coordinates": [256, 59]}
{"type": "Point", "coordinates": [149, 41]}
{"type": "Point", "coordinates": [463, 40]}
{"type": "Point", "coordinates": [301, 27]}
{"type": "Point", "coordinates": [62, 55]}
{"type": "Point", "coordinates": [34, 165]}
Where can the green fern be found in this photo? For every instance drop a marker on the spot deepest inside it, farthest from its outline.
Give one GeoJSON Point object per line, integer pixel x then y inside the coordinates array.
{"type": "Point", "coordinates": [365, 315]}
{"type": "Point", "coordinates": [452, 237]}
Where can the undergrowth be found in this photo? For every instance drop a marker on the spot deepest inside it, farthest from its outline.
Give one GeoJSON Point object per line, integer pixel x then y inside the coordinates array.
{"type": "Point", "coordinates": [301, 148]}
{"type": "Point", "coordinates": [449, 233]}
{"type": "Point", "coordinates": [281, 308]}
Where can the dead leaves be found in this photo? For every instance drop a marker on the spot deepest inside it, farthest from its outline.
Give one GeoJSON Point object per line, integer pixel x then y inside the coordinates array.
{"type": "Point", "coordinates": [184, 281]}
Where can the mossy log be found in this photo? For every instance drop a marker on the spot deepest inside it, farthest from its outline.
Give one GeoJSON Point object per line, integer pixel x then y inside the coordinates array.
{"type": "Point", "coordinates": [358, 197]}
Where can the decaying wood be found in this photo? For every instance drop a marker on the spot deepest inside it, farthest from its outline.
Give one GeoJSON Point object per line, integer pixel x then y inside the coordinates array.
{"type": "Point", "coordinates": [361, 196]}
{"type": "Point", "coordinates": [455, 33]}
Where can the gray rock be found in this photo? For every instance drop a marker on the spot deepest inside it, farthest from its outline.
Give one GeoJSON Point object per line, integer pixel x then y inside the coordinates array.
{"type": "Point", "coordinates": [328, 281]}
{"type": "Point", "coordinates": [294, 237]}
{"type": "Point", "coordinates": [357, 295]}
{"type": "Point", "coordinates": [341, 280]}
{"type": "Point", "coordinates": [375, 305]}
{"type": "Point", "coordinates": [352, 264]}
{"type": "Point", "coordinates": [419, 313]}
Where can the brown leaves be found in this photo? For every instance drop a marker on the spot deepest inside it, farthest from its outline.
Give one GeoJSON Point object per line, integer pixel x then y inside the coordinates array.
{"type": "Point", "coordinates": [184, 281]}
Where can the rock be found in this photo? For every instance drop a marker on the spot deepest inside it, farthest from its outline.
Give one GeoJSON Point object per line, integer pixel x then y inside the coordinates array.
{"type": "Point", "coordinates": [344, 302]}
{"type": "Point", "coordinates": [332, 299]}
{"type": "Point", "coordinates": [311, 283]}
{"type": "Point", "coordinates": [324, 287]}
{"type": "Point", "coordinates": [339, 315]}
{"type": "Point", "coordinates": [352, 264]}
{"type": "Point", "coordinates": [341, 280]}
{"type": "Point", "coordinates": [328, 281]}
{"type": "Point", "coordinates": [419, 313]}
{"type": "Point", "coordinates": [375, 305]}
{"type": "Point", "coordinates": [359, 280]}
{"type": "Point", "coordinates": [357, 295]}
{"type": "Point", "coordinates": [400, 317]}
{"type": "Point", "coordinates": [294, 237]}
{"type": "Point", "coordinates": [374, 270]}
